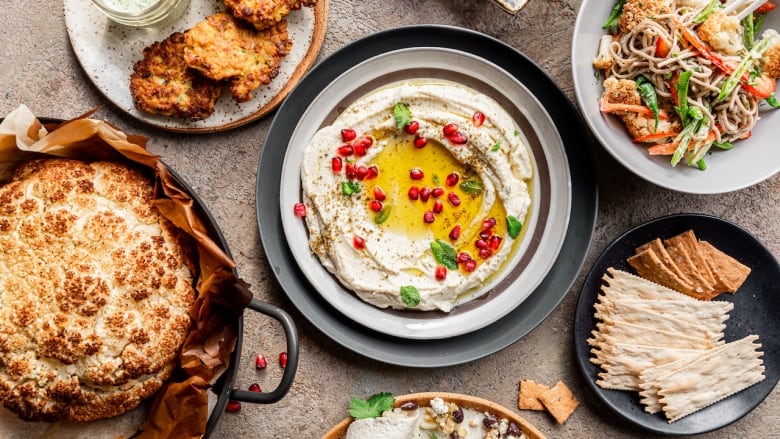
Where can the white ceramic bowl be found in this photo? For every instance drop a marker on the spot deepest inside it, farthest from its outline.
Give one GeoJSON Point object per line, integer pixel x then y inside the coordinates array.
{"type": "Point", "coordinates": [749, 162]}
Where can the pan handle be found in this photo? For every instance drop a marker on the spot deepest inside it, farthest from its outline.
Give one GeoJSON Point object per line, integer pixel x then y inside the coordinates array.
{"type": "Point", "coordinates": [292, 357]}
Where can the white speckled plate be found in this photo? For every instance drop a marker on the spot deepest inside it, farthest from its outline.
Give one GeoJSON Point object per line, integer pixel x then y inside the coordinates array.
{"type": "Point", "coordinates": [107, 52]}
{"type": "Point", "coordinates": [543, 231]}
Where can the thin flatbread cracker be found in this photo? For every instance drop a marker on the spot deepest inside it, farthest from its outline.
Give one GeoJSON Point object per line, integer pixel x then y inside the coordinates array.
{"type": "Point", "coordinates": [623, 363]}
{"type": "Point", "coordinates": [690, 243]}
{"type": "Point", "coordinates": [559, 401]}
{"type": "Point", "coordinates": [621, 311]}
{"type": "Point", "coordinates": [647, 378]}
{"type": "Point", "coordinates": [729, 273]}
{"type": "Point", "coordinates": [528, 398]}
{"type": "Point", "coordinates": [702, 289]}
{"type": "Point", "coordinates": [658, 248]}
{"type": "Point", "coordinates": [649, 266]}
{"type": "Point", "coordinates": [711, 378]}
{"type": "Point", "coordinates": [626, 284]}
{"type": "Point", "coordinates": [612, 332]}
{"type": "Point", "coordinates": [712, 314]}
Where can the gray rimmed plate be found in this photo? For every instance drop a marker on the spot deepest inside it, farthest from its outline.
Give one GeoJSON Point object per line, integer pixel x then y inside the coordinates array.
{"type": "Point", "coordinates": [550, 189]}
{"type": "Point", "coordinates": [749, 162]}
{"type": "Point", "coordinates": [107, 52]}
{"type": "Point", "coordinates": [495, 336]}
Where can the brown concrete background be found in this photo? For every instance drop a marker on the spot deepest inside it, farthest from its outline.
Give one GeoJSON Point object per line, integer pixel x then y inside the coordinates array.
{"type": "Point", "coordinates": [38, 68]}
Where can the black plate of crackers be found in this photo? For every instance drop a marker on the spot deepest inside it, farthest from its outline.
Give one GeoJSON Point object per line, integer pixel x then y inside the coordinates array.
{"type": "Point", "coordinates": [756, 305]}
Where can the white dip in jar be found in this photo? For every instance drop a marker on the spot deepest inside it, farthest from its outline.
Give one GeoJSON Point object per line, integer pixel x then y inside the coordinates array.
{"type": "Point", "coordinates": [141, 13]}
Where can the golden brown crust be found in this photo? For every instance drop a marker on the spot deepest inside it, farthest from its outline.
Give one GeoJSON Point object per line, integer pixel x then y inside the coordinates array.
{"type": "Point", "coordinates": [263, 14]}
{"type": "Point", "coordinates": [222, 47]}
{"type": "Point", "coordinates": [96, 289]}
{"type": "Point", "coordinates": [162, 83]}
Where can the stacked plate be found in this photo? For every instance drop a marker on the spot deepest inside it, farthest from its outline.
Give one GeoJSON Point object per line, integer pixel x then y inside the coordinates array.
{"type": "Point", "coordinates": [557, 235]}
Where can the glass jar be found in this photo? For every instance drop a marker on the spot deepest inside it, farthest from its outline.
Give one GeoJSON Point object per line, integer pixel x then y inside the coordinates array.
{"type": "Point", "coordinates": [141, 13]}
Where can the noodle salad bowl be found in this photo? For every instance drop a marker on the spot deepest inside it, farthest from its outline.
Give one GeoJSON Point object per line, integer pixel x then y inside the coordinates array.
{"type": "Point", "coordinates": [753, 157]}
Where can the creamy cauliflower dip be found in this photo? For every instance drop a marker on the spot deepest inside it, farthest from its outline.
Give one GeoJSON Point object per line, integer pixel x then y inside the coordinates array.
{"type": "Point", "coordinates": [416, 193]}
{"type": "Point", "coordinates": [441, 419]}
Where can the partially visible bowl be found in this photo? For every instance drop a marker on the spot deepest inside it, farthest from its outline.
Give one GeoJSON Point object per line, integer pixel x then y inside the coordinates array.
{"type": "Point", "coordinates": [749, 162]}
{"type": "Point", "coordinates": [464, 401]}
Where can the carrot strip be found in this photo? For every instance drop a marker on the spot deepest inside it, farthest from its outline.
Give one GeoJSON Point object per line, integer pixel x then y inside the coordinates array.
{"type": "Point", "coordinates": [655, 136]}
{"type": "Point", "coordinates": [608, 107]}
{"type": "Point", "coordinates": [671, 147]}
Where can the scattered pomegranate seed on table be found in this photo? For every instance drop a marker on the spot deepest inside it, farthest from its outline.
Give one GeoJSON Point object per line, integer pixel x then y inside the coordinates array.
{"type": "Point", "coordinates": [254, 387]}
{"type": "Point", "coordinates": [233, 406]}
{"type": "Point", "coordinates": [299, 209]}
{"type": "Point", "coordinates": [260, 361]}
{"type": "Point", "coordinates": [283, 359]}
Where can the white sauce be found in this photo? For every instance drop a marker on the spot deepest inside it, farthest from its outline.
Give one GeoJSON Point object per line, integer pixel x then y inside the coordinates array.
{"type": "Point", "coordinates": [130, 6]}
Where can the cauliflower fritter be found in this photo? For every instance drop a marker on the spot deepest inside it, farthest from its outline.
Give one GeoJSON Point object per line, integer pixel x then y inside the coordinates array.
{"type": "Point", "coordinates": [624, 91]}
{"type": "Point", "coordinates": [222, 47]}
{"type": "Point", "coordinates": [634, 11]}
{"type": "Point", "coordinates": [723, 32]}
{"type": "Point", "coordinates": [161, 82]}
{"type": "Point", "coordinates": [264, 13]}
{"type": "Point", "coordinates": [770, 62]}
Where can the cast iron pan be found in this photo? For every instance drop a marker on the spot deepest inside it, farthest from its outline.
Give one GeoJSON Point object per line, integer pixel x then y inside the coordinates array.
{"type": "Point", "coordinates": [224, 387]}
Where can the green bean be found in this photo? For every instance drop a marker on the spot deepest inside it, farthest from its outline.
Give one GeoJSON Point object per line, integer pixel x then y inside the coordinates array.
{"type": "Point", "coordinates": [614, 16]}
{"type": "Point", "coordinates": [647, 92]}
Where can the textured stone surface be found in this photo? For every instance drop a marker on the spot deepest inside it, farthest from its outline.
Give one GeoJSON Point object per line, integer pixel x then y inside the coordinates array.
{"type": "Point", "coordinates": [38, 68]}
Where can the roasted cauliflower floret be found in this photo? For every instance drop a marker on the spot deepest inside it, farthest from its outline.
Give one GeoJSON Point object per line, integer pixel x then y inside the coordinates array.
{"type": "Point", "coordinates": [770, 62]}
{"type": "Point", "coordinates": [603, 61]}
{"type": "Point", "coordinates": [624, 91]}
{"type": "Point", "coordinates": [723, 32]}
{"type": "Point", "coordinates": [634, 11]}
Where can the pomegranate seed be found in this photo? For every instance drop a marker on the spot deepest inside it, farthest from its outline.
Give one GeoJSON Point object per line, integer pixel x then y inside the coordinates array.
{"type": "Point", "coordinates": [336, 163]}
{"type": "Point", "coordinates": [450, 129]}
{"type": "Point", "coordinates": [350, 171]}
{"type": "Point", "coordinates": [364, 141]}
{"type": "Point", "coordinates": [425, 193]}
{"type": "Point", "coordinates": [299, 210]}
{"type": "Point", "coordinates": [480, 244]}
{"type": "Point", "coordinates": [428, 217]}
{"type": "Point", "coordinates": [414, 193]}
{"type": "Point", "coordinates": [375, 205]}
{"type": "Point", "coordinates": [373, 172]}
{"type": "Point", "coordinates": [478, 118]}
{"type": "Point", "coordinates": [360, 150]}
{"type": "Point", "coordinates": [485, 234]}
{"type": "Point", "coordinates": [488, 223]}
{"type": "Point", "coordinates": [458, 139]}
{"type": "Point", "coordinates": [455, 232]}
{"type": "Point", "coordinates": [379, 194]}
{"type": "Point", "coordinates": [283, 359]}
{"type": "Point", "coordinates": [441, 272]}
{"type": "Point", "coordinates": [416, 174]}
{"type": "Point", "coordinates": [437, 192]}
{"type": "Point", "coordinates": [470, 265]}
{"type": "Point", "coordinates": [345, 150]}
{"type": "Point", "coordinates": [358, 242]}
{"type": "Point", "coordinates": [254, 387]}
{"type": "Point", "coordinates": [452, 179]}
{"type": "Point", "coordinates": [495, 242]}
{"type": "Point", "coordinates": [485, 253]}
{"type": "Point", "coordinates": [361, 172]}
{"type": "Point", "coordinates": [420, 142]}
{"type": "Point", "coordinates": [463, 257]}
{"type": "Point", "coordinates": [348, 134]}
{"type": "Point", "coordinates": [453, 198]}
{"type": "Point", "coordinates": [260, 362]}
{"type": "Point", "coordinates": [233, 406]}
{"type": "Point", "coordinates": [412, 127]}
{"type": "Point", "coordinates": [438, 206]}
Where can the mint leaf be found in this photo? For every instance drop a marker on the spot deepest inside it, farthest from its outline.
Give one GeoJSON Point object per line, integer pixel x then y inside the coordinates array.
{"type": "Point", "coordinates": [496, 147]}
{"type": "Point", "coordinates": [410, 296]}
{"type": "Point", "coordinates": [471, 187]}
{"type": "Point", "coordinates": [382, 215]}
{"type": "Point", "coordinates": [513, 226]}
{"type": "Point", "coordinates": [402, 115]}
{"type": "Point", "coordinates": [350, 187]}
{"type": "Point", "coordinates": [373, 407]}
{"type": "Point", "coordinates": [445, 254]}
